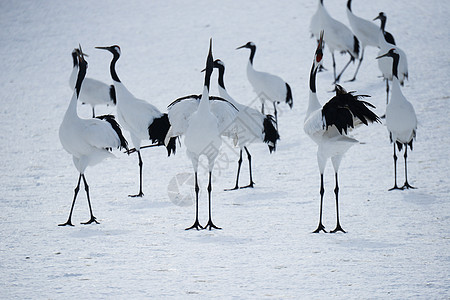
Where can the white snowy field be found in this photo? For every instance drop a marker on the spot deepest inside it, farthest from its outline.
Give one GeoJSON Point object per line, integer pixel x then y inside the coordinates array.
{"type": "Point", "coordinates": [397, 243]}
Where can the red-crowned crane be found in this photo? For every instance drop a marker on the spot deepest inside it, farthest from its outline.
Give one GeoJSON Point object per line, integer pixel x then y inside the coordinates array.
{"type": "Point", "coordinates": [202, 119]}
{"type": "Point", "coordinates": [267, 86]}
{"type": "Point", "coordinates": [141, 119]}
{"type": "Point", "coordinates": [401, 120]}
{"type": "Point", "coordinates": [89, 141]}
{"type": "Point", "coordinates": [327, 126]}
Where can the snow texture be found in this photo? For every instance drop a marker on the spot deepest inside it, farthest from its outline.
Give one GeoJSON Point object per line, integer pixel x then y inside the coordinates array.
{"type": "Point", "coordinates": [398, 242]}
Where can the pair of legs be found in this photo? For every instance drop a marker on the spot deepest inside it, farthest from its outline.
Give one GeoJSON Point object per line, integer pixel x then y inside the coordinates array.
{"type": "Point", "coordinates": [77, 188]}
{"type": "Point", "coordinates": [336, 192]}
{"type": "Point", "coordinates": [406, 185]}
{"type": "Point", "coordinates": [210, 225]}
{"type": "Point", "coordinates": [250, 185]}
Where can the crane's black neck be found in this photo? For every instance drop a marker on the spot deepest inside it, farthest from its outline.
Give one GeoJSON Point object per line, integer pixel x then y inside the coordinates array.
{"type": "Point", "coordinates": [312, 79]}
{"type": "Point", "coordinates": [75, 59]}
{"type": "Point", "coordinates": [383, 23]}
{"type": "Point", "coordinates": [112, 67]}
{"type": "Point", "coordinates": [396, 58]}
{"type": "Point", "coordinates": [252, 53]}
{"type": "Point", "coordinates": [81, 74]}
{"type": "Point", "coordinates": [349, 5]}
{"type": "Point", "coordinates": [220, 78]}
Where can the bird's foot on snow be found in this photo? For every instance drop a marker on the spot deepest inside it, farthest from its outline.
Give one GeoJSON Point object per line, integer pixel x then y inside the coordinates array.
{"type": "Point", "coordinates": [196, 226]}
{"type": "Point", "coordinates": [137, 195]}
{"type": "Point", "coordinates": [92, 220]}
{"type": "Point", "coordinates": [407, 186]}
{"type": "Point", "coordinates": [320, 228]}
{"type": "Point", "coordinates": [68, 223]}
{"type": "Point", "coordinates": [232, 189]}
{"type": "Point", "coordinates": [395, 188]}
{"type": "Point", "coordinates": [351, 80]}
{"type": "Point", "coordinates": [338, 228]}
{"type": "Point", "coordinates": [211, 225]}
{"type": "Point", "coordinates": [248, 186]}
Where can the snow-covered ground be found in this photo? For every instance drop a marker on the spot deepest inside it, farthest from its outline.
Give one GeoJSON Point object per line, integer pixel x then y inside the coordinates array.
{"type": "Point", "coordinates": [397, 245]}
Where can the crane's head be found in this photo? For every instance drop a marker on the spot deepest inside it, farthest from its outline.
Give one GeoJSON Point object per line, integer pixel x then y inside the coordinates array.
{"type": "Point", "coordinates": [115, 49]}
{"type": "Point", "coordinates": [249, 45]}
{"type": "Point", "coordinates": [319, 52]}
{"type": "Point", "coordinates": [381, 16]}
{"type": "Point", "coordinates": [391, 53]}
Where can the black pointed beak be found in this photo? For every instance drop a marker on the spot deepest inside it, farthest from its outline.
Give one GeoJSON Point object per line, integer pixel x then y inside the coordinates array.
{"type": "Point", "coordinates": [319, 46]}
{"type": "Point", "coordinates": [377, 18]}
{"type": "Point", "coordinates": [203, 70]}
{"type": "Point", "coordinates": [81, 51]}
{"type": "Point", "coordinates": [384, 55]}
{"type": "Point", "coordinates": [103, 48]}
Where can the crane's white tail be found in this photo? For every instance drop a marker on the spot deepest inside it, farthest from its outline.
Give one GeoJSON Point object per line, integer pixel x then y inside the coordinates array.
{"type": "Point", "coordinates": [344, 107]}
{"type": "Point", "coordinates": [111, 120]}
{"type": "Point", "coordinates": [270, 132]}
{"type": "Point", "coordinates": [112, 94]}
{"type": "Point", "coordinates": [289, 99]}
{"type": "Point", "coordinates": [158, 130]}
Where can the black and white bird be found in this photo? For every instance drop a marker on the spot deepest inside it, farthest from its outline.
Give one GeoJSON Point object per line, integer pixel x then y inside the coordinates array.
{"type": "Point", "coordinates": [202, 120]}
{"type": "Point", "coordinates": [388, 37]}
{"type": "Point", "coordinates": [267, 86]}
{"type": "Point", "coordinates": [365, 30]}
{"type": "Point", "coordinates": [337, 37]}
{"type": "Point", "coordinates": [89, 141]}
{"type": "Point", "coordinates": [141, 119]}
{"type": "Point", "coordinates": [401, 120]}
{"type": "Point", "coordinates": [385, 64]}
{"type": "Point", "coordinates": [94, 92]}
{"type": "Point", "coordinates": [252, 126]}
{"type": "Point", "coordinates": [327, 126]}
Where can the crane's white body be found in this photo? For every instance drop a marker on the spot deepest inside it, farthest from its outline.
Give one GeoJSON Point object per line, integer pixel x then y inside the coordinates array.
{"type": "Point", "coordinates": [87, 140]}
{"type": "Point", "coordinates": [135, 115]}
{"type": "Point", "coordinates": [401, 120]}
{"type": "Point", "coordinates": [210, 118]}
{"type": "Point", "coordinates": [267, 86]}
{"type": "Point", "coordinates": [331, 143]}
{"type": "Point", "coordinates": [249, 122]}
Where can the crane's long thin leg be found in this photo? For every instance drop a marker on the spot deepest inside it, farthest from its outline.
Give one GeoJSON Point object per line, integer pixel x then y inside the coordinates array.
{"type": "Point", "coordinates": [249, 157]}
{"type": "Point", "coordinates": [387, 91]}
{"type": "Point", "coordinates": [196, 223]}
{"type": "Point", "coordinates": [210, 222]}
{"type": "Point", "coordinates": [406, 185]}
{"type": "Point", "coordinates": [357, 68]}
{"type": "Point", "coordinates": [322, 191]}
{"type": "Point", "coordinates": [336, 192]}
{"type": "Point", "coordinates": [238, 171]}
{"type": "Point", "coordinates": [334, 68]}
{"type": "Point", "coordinates": [86, 188]}
{"type": "Point", "coordinates": [345, 67]}
{"type": "Point", "coordinates": [140, 176]}
{"type": "Point", "coordinates": [93, 112]}
{"type": "Point", "coordinates": [276, 114]}
{"type": "Point", "coordinates": [77, 188]}
{"type": "Point", "coordinates": [262, 107]}
{"type": "Point", "coordinates": [395, 172]}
